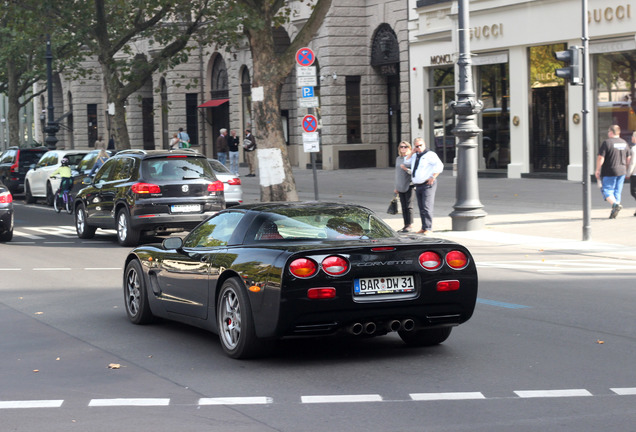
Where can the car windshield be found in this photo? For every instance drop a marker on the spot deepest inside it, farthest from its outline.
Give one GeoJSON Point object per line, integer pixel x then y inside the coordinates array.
{"type": "Point", "coordinates": [87, 163]}
{"type": "Point", "coordinates": [218, 167]}
{"type": "Point", "coordinates": [322, 222]}
{"type": "Point", "coordinates": [177, 168]}
{"type": "Point", "coordinates": [74, 159]}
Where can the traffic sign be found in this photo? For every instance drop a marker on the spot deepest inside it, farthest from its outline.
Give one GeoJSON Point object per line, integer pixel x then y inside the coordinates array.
{"type": "Point", "coordinates": [305, 57]}
{"type": "Point", "coordinates": [308, 92]}
{"type": "Point", "coordinates": [308, 71]}
{"type": "Point", "coordinates": [310, 123]}
{"type": "Point", "coordinates": [306, 81]}
{"type": "Point", "coordinates": [311, 142]}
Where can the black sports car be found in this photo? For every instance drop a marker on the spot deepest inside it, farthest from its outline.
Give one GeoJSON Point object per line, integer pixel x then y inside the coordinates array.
{"type": "Point", "coordinates": [259, 272]}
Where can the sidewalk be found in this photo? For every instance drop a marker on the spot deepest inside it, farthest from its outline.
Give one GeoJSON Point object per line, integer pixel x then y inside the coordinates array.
{"type": "Point", "coordinates": [543, 213]}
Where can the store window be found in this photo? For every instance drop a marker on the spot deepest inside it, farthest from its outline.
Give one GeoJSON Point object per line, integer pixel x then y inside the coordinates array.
{"type": "Point", "coordinates": [495, 116]}
{"type": "Point", "coordinates": [442, 92]}
{"type": "Point", "coordinates": [615, 82]}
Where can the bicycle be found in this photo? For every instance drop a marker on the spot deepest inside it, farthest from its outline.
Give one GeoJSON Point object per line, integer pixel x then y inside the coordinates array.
{"type": "Point", "coordinates": [63, 199]}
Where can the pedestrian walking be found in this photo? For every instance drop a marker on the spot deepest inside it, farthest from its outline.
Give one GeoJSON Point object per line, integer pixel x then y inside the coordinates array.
{"type": "Point", "coordinates": [111, 144]}
{"type": "Point", "coordinates": [233, 149]}
{"type": "Point", "coordinates": [102, 157]}
{"type": "Point", "coordinates": [403, 184]}
{"type": "Point", "coordinates": [631, 171]}
{"type": "Point", "coordinates": [100, 144]}
{"type": "Point", "coordinates": [249, 145]}
{"type": "Point", "coordinates": [184, 139]}
{"type": "Point", "coordinates": [175, 141]}
{"type": "Point", "coordinates": [221, 146]}
{"type": "Point", "coordinates": [612, 162]}
{"type": "Point", "coordinates": [425, 167]}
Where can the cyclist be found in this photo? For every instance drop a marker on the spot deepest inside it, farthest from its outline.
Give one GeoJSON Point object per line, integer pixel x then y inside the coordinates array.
{"type": "Point", "coordinates": [65, 174]}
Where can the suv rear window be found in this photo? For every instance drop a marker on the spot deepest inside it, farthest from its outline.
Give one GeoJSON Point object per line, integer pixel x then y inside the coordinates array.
{"type": "Point", "coordinates": [28, 157]}
{"type": "Point", "coordinates": [176, 168]}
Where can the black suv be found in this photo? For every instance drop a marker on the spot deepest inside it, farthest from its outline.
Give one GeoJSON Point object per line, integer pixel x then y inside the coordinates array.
{"type": "Point", "coordinates": [14, 164]}
{"type": "Point", "coordinates": [148, 191]}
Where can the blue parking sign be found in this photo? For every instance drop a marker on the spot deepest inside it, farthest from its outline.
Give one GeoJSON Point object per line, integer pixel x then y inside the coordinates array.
{"type": "Point", "coordinates": [308, 92]}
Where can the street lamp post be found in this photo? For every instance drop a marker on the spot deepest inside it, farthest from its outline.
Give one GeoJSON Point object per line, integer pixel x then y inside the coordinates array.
{"type": "Point", "coordinates": [51, 127]}
{"type": "Point", "coordinates": [468, 214]}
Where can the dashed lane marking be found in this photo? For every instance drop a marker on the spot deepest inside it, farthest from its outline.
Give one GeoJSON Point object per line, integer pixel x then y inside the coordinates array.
{"type": "Point", "coordinates": [548, 265]}
{"type": "Point", "coordinates": [314, 399]}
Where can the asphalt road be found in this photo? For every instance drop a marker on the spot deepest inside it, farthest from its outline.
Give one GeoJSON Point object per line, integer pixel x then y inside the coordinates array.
{"type": "Point", "coordinates": [550, 347]}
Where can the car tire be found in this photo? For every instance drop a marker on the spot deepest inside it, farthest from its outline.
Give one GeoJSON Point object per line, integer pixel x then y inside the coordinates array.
{"type": "Point", "coordinates": [7, 235]}
{"type": "Point", "coordinates": [425, 337]}
{"type": "Point", "coordinates": [126, 235]}
{"type": "Point", "coordinates": [49, 194]}
{"type": "Point", "coordinates": [136, 294]}
{"type": "Point", "coordinates": [236, 323]}
{"type": "Point", "coordinates": [84, 230]}
{"type": "Point", "coordinates": [28, 197]}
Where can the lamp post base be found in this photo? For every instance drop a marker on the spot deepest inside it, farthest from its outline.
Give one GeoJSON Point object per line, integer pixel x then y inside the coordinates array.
{"type": "Point", "coordinates": [468, 220]}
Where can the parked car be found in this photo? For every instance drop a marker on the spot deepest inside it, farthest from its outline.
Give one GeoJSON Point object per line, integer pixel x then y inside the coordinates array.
{"type": "Point", "coordinates": [38, 182]}
{"type": "Point", "coordinates": [14, 164]}
{"type": "Point", "coordinates": [6, 214]}
{"type": "Point", "coordinates": [148, 191]}
{"type": "Point", "coordinates": [259, 272]}
{"type": "Point", "coordinates": [231, 182]}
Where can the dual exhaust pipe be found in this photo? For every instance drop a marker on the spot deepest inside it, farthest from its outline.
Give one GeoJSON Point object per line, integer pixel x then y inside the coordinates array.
{"type": "Point", "coordinates": [370, 327]}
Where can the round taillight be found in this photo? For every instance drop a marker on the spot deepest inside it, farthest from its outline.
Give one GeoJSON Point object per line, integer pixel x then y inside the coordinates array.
{"type": "Point", "coordinates": [456, 260]}
{"type": "Point", "coordinates": [6, 198]}
{"type": "Point", "coordinates": [430, 260]}
{"type": "Point", "coordinates": [303, 267]}
{"type": "Point", "coordinates": [335, 265]}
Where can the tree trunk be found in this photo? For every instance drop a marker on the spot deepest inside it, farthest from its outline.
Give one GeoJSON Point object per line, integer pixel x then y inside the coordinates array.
{"type": "Point", "coordinates": [13, 114]}
{"type": "Point", "coordinates": [119, 130]}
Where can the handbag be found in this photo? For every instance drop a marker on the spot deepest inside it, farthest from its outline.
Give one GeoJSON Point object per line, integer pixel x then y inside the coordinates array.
{"type": "Point", "coordinates": [393, 206]}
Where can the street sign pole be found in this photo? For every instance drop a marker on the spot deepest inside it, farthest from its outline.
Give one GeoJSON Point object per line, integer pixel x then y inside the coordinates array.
{"type": "Point", "coordinates": [587, 192]}
{"type": "Point", "coordinates": [306, 80]}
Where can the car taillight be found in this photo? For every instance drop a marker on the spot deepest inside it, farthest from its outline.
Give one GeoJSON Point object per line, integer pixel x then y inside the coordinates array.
{"type": "Point", "coordinates": [14, 167]}
{"type": "Point", "coordinates": [321, 293]}
{"type": "Point", "coordinates": [448, 285]}
{"type": "Point", "coordinates": [456, 260]}
{"type": "Point", "coordinates": [234, 181]}
{"type": "Point", "coordinates": [145, 188]}
{"type": "Point", "coordinates": [6, 198]}
{"type": "Point", "coordinates": [430, 260]}
{"type": "Point", "coordinates": [335, 265]}
{"type": "Point", "coordinates": [303, 267]}
{"type": "Point", "coordinates": [216, 186]}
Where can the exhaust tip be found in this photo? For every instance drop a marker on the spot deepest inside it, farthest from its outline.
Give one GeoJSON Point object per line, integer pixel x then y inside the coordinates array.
{"type": "Point", "coordinates": [408, 324]}
{"type": "Point", "coordinates": [355, 329]}
{"type": "Point", "coordinates": [370, 327]}
{"type": "Point", "coordinates": [395, 325]}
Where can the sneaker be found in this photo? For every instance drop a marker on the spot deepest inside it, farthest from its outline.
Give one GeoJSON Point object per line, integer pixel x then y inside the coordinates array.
{"type": "Point", "coordinates": [616, 207]}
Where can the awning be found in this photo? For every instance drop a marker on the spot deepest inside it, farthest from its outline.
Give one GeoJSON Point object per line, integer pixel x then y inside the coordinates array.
{"type": "Point", "coordinates": [213, 103]}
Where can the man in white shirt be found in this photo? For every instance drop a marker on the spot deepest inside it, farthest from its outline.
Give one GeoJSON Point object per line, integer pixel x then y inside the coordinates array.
{"type": "Point", "coordinates": [425, 167]}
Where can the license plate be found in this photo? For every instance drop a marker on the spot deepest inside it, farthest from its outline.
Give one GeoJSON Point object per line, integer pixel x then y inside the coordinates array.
{"type": "Point", "coordinates": [383, 285]}
{"type": "Point", "coordinates": [186, 208]}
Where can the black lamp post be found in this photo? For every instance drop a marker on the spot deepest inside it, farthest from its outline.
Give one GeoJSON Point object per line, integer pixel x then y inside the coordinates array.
{"type": "Point", "coordinates": [468, 214]}
{"type": "Point", "coordinates": [51, 127]}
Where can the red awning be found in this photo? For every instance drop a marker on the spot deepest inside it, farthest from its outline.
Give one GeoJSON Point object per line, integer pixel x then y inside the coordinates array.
{"type": "Point", "coordinates": [213, 103]}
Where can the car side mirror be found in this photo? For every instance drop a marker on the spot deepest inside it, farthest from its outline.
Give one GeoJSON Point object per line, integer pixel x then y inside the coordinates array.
{"type": "Point", "coordinates": [172, 243]}
{"type": "Point", "coordinates": [87, 180]}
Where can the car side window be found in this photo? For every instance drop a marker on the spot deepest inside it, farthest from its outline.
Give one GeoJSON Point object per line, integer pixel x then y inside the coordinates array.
{"type": "Point", "coordinates": [216, 231]}
{"type": "Point", "coordinates": [44, 161]}
{"type": "Point", "coordinates": [123, 169]}
{"type": "Point", "coordinates": [105, 173]}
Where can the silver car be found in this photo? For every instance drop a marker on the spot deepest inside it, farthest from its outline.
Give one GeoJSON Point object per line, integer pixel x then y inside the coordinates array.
{"type": "Point", "coordinates": [231, 183]}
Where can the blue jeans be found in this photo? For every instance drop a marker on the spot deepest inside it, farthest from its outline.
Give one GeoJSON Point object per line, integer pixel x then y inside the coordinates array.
{"type": "Point", "coordinates": [425, 195]}
{"type": "Point", "coordinates": [612, 186]}
{"type": "Point", "coordinates": [222, 157]}
{"type": "Point", "coordinates": [234, 163]}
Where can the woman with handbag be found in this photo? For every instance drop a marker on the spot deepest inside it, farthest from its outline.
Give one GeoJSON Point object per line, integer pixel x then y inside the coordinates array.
{"type": "Point", "coordinates": [403, 185]}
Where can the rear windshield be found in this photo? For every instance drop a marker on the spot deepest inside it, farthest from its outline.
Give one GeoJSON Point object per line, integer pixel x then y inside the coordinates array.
{"type": "Point", "coordinates": [331, 223]}
{"type": "Point", "coordinates": [74, 159]}
{"type": "Point", "coordinates": [218, 167]}
{"type": "Point", "coordinates": [30, 157]}
{"type": "Point", "coordinates": [177, 168]}
{"type": "Point", "coordinates": [87, 163]}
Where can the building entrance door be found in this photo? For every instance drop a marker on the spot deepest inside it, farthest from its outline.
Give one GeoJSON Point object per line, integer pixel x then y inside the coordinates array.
{"type": "Point", "coordinates": [548, 134]}
{"type": "Point", "coordinates": [395, 121]}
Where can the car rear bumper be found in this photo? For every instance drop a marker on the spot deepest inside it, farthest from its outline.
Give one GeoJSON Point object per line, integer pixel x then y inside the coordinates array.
{"type": "Point", "coordinates": [165, 222]}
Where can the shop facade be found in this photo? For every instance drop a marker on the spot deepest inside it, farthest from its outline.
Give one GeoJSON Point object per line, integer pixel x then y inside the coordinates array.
{"type": "Point", "coordinates": [531, 119]}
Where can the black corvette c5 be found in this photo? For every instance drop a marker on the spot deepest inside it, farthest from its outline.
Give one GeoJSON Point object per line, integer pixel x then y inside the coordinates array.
{"type": "Point", "coordinates": [256, 273]}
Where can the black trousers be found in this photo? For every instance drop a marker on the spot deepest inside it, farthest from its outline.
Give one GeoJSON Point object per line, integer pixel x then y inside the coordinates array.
{"type": "Point", "coordinates": [425, 194]}
{"type": "Point", "coordinates": [406, 201]}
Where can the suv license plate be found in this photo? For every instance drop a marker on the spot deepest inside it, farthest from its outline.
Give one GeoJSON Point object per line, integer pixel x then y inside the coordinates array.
{"type": "Point", "coordinates": [185, 208]}
{"type": "Point", "coordinates": [383, 285]}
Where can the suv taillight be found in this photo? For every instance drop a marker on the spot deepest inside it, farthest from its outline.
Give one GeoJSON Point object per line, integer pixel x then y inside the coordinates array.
{"type": "Point", "coordinates": [6, 198]}
{"type": "Point", "coordinates": [216, 186]}
{"type": "Point", "coordinates": [14, 167]}
{"type": "Point", "coordinates": [145, 188]}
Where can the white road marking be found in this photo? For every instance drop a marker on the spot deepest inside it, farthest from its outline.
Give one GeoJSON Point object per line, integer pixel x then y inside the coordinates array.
{"type": "Point", "coordinates": [446, 396]}
{"type": "Point", "coordinates": [31, 404]}
{"type": "Point", "coordinates": [61, 231]}
{"type": "Point", "coordinates": [624, 391]}
{"type": "Point", "coordinates": [341, 398]}
{"type": "Point", "coordinates": [10, 269]}
{"type": "Point", "coordinates": [591, 265]}
{"type": "Point", "coordinates": [256, 400]}
{"type": "Point", "coordinates": [129, 402]}
{"type": "Point", "coordinates": [17, 233]}
{"type": "Point", "coordinates": [52, 269]}
{"type": "Point", "coordinates": [103, 268]}
{"type": "Point", "coordinates": [552, 393]}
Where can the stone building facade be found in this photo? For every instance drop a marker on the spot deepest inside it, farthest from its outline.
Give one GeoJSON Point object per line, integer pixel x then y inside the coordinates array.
{"type": "Point", "coordinates": [363, 85]}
